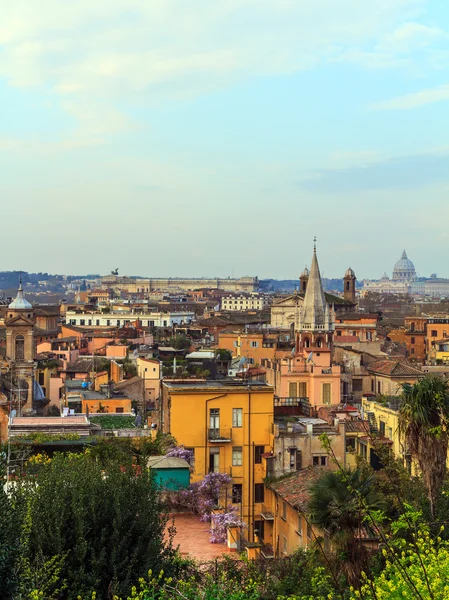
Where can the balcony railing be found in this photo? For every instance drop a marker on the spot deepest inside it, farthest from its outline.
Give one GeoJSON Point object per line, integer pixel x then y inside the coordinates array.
{"type": "Point", "coordinates": [219, 435]}
{"type": "Point", "coordinates": [291, 401]}
{"type": "Point", "coordinates": [266, 513]}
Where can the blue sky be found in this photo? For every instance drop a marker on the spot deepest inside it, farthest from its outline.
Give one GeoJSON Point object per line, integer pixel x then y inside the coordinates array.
{"type": "Point", "coordinates": [189, 137]}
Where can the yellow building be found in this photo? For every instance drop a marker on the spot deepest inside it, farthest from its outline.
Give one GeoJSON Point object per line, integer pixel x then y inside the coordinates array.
{"type": "Point", "coordinates": [285, 522]}
{"type": "Point", "coordinates": [384, 428]}
{"type": "Point", "coordinates": [229, 428]}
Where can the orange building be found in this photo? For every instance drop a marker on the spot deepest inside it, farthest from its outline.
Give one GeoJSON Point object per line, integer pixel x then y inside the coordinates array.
{"type": "Point", "coordinates": [254, 346]}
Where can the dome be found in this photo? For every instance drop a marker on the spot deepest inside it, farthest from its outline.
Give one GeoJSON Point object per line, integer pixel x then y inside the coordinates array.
{"type": "Point", "coordinates": [305, 273]}
{"type": "Point", "coordinates": [20, 303]}
{"type": "Point", "coordinates": [404, 269]}
{"type": "Point", "coordinates": [349, 273]}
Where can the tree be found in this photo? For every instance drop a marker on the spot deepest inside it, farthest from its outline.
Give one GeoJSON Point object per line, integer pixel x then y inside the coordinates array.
{"type": "Point", "coordinates": [339, 502]}
{"type": "Point", "coordinates": [180, 342]}
{"type": "Point", "coordinates": [424, 420]}
{"type": "Point", "coordinates": [106, 520]}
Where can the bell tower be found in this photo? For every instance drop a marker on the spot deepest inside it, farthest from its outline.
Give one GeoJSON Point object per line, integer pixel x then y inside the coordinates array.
{"type": "Point", "coordinates": [349, 285]}
{"type": "Point", "coordinates": [20, 351]}
{"type": "Point", "coordinates": [303, 279]}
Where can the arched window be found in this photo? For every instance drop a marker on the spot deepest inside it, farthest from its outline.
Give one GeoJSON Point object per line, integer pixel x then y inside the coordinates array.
{"type": "Point", "coordinates": [348, 286]}
{"type": "Point", "coordinates": [412, 327]}
{"type": "Point", "coordinates": [318, 343]}
{"type": "Point", "coordinates": [20, 347]}
{"type": "Point", "coordinates": [306, 343]}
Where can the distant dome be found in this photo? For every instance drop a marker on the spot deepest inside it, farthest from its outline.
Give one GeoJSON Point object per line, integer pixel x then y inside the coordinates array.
{"type": "Point", "coordinates": [20, 303]}
{"type": "Point", "coordinates": [305, 273]}
{"type": "Point", "coordinates": [349, 273]}
{"type": "Point", "coordinates": [404, 269]}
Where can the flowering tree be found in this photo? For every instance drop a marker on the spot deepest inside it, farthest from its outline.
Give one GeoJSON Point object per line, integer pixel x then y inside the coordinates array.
{"type": "Point", "coordinates": [221, 521]}
{"type": "Point", "coordinates": [181, 452]}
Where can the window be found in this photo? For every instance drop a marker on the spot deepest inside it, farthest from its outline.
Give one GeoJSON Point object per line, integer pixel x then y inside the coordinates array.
{"type": "Point", "coordinates": [302, 385]}
{"type": "Point", "coordinates": [357, 385]}
{"type": "Point", "coordinates": [236, 493]}
{"type": "Point", "coordinates": [237, 456]}
{"type": "Point", "coordinates": [319, 461]}
{"type": "Point", "coordinates": [259, 492]}
{"type": "Point", "coordinates": [284, 544]}
{"type": "Point", "coordinates": [119, 409]}
{"type": "Point", "coordinates": [338, 332]}
{"type": "Point", "coordinates": [258, 451]}
{"type": "Point", "coordinates": [412, 340]}
{"type": "Point", "coordinates": [236, 344]}
{"type": "Point", "coordinates": [350, 444]}
{"type": "Point", "coordinates": [381, 427]}
{"type": "Point", "coordinates": [214, 460]}
{"type": "Point", "coordinates": [108, 322]}
{"type": "Point", "coordinates": [82, 321]}
{"type": "Point", "coordinates": [118, 322]}
{"type": "Point", "coordinates": [237, 415]}
{"type": "Point", "coordinates": [433, 333]}
{"type": "Point", "coordinates": [97, 322]}
{"type": "Point", "coordinates": [292, 458]}
{"type": "Point", "coordinates": [254, 344]}
{"type": "Point", "coordinates": [299, 530]}
{"type": "Point", "coordinates": [20, 347]}
{"type": "Point", "coordinates": [284, 511]}
{"type": "Point", "coordinates": [259, 529]}
{"type": "Point", "coordinates": [412, 351]}
{"type": "Point", "coordinates": [214, 419]}
{"type": "Point", "coordinates": [363, 450]}
{"type": "Point", "coordinates": [326, 393]}
{"type": "Point", "coordinates": [292, 389]}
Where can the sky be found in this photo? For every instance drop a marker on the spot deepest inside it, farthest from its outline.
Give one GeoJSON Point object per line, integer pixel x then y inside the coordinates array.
{"type": "Point", "coordinates": [198, 138]}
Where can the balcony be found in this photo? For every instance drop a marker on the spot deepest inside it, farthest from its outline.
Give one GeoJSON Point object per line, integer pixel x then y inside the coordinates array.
{"type": "Point", "coordinates": [290, 401]}
{"type": "Point", "coordinates": [266, 513]}
{"type": "Point", "coordinates": [219, 435]}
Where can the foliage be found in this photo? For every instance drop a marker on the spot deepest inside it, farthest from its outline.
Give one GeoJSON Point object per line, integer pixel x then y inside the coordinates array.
{"type": "Point", "coordinates": [202, 497]}
{"type": "Point", "coordinates": [39, 438]}
{"type": "Point", "coordinates": [109, 421]}
{"type": "Point", "coordinates": [180, 342]}
{"type": "Point", "coordinates": [220, 521]}
{"type": "Point", "coordinates": [91, 528]}
{"type": "Point", "coordinates": [223, 354]}
{"type": "Point", "coordinates": [181, 452]}
{"type": "Point", "coordinates": [417, 570]}
{"type": "Point", "coordinates": [424, 419]}
{"type": "Point", "coordinates": [339, 502]}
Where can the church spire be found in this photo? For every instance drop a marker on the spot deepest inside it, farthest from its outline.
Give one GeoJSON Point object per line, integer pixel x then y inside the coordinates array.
{"type": "Point", "coordinates": [315, 314]}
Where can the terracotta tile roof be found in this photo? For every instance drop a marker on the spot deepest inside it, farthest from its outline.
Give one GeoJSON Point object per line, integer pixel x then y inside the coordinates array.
{"type": "Point", "coordinates": [394, 368]}
{"type": "Point", "coordinates": [354, 426]}
{"type": "Point", "coordinates": [294, 489]}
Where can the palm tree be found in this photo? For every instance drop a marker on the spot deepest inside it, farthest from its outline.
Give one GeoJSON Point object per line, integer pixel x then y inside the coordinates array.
{"type": "Point", "coordinates": [339, 502]}
{"type": "Point", "coordinates": [424, 421]}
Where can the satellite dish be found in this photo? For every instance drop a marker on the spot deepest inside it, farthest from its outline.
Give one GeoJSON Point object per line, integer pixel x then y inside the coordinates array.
{"type": "Point", "coordinates": [293, 350]}
{"type": "Point", "coordinates": [241, 362]}
{"type": "Point", "coordinates": [13, 413]}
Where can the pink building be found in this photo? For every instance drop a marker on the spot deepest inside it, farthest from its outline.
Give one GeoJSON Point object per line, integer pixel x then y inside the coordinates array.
{"type": "Point", "coordinates": [309, 372]}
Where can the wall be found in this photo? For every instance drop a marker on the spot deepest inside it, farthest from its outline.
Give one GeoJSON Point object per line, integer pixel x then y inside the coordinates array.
{"type": "Point", "coordinates": [250, 345]}
{"type": "Point", "coordinates": [186, 414]}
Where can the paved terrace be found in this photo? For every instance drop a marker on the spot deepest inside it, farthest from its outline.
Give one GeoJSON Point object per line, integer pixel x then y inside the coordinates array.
{"type": "Point", "coordinates": [192, 536]}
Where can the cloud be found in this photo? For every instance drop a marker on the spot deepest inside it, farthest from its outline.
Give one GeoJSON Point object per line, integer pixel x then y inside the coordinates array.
{"type": "Point", "coordinates": [400, 173]}
{"type": "Point", "coordinates": [404, 46]}
{"type": "Point", "coordinates": [414, 100]}
{"type": "Point", "coordinates": [148, 52]}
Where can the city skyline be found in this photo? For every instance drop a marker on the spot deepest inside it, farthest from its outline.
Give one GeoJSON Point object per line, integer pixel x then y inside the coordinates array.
{"type": "Point", "coordinates": [173, 139]}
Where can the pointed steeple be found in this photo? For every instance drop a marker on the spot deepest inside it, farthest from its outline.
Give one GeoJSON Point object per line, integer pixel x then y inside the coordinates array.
{"type": "Point", "coordinates": [404, 254]}
{"type": "Point", "coordinates": [315, 314]}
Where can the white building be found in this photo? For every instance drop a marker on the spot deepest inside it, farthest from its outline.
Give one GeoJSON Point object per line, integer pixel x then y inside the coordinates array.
{"type": "Point", "coordinates": [121, 319]}
{"type": "Point", "coordinates": [251, 302]}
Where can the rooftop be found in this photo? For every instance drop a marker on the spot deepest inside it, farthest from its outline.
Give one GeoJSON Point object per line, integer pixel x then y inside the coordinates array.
{"type": "Point", "coordinates": [294, 489]}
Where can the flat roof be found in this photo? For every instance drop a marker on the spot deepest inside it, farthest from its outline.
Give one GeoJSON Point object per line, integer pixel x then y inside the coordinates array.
{"type": "Point", "coordinates": [212, 384]}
